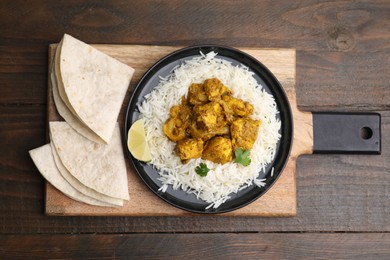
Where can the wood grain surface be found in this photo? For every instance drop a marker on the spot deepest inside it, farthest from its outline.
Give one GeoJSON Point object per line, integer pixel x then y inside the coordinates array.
{"type": "Point", "coordinates": [343, 50]}
{"type": "Point", "coordinates": [279, 201]}
{"type": "Point", "coordinates": [199, 246]}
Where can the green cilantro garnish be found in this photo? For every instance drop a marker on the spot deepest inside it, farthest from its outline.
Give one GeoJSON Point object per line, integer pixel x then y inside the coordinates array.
{"type": "Point", "coordinates": [202, 169]}
{"type": "Point", "coordinates": [242, 156]}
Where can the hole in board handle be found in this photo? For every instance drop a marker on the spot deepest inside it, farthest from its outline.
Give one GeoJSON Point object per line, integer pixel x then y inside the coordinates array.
{"type": "Point", "coordinates": [366, 133]}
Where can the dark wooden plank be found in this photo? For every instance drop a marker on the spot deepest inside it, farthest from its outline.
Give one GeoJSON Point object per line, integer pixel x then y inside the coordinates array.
{"type": "Point", "coordinates": [345, 44]}
{"type": "Point", "coordinates": [337, 81]}
{"type": "Point", "coordinates": [23, 73]}
{"type": "Point", "coordinates": [198, 246]}
{"type": "Point", "coordinates": [334, 192]}
{"type": "Point", "coordinates": [308, 25]}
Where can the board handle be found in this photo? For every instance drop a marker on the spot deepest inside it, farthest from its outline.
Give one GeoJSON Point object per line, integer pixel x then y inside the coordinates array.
{"type": "Point", "coordinates": [347, 133]}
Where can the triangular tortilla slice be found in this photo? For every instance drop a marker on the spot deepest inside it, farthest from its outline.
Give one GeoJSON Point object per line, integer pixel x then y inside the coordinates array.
{"type": "Point", "coordinates": [68, 116]}
{"type": "Point", "coordinates": [43, 159]}
{"type": "Point", "coordinates": [95, 85]}
{"type": "Point", "coordinates": [78, 185]}
{"type": "Point", "coordinates": [98, 166]}
{"type": "Point", "coordinates": [60, 85]}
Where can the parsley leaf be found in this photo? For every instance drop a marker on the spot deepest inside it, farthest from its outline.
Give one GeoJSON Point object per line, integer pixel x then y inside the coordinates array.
{"type": "Point", "coordinates": [242, 156]}
{"type": "Point", "coordinates": [202, 169]}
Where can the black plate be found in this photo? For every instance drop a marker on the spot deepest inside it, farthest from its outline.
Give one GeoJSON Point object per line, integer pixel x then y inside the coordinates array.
{"type": "Point", "coordinates": [180, 198]}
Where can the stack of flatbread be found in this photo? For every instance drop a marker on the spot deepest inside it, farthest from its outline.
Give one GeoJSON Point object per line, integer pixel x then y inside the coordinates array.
{"type": "Point", "coordinates": [84, 158]}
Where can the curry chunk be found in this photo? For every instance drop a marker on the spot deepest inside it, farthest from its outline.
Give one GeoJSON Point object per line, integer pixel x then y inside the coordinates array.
{"type": "Point", "coordinates": [195, 131]}
{"type": "Point", "coordinates": [244, 132]}
{"type": "Point", "coordinates": [197, 95]}
{"type": "Point", "coordinates": [182, 112]}
{"type": "Point", "coordinates": [176, 125]}
{"type": "Point", "coordinates": [215, 89]}
{"type": "Point", "coordinates": [189, 148]}
{"type": "Point", "coordinates": [235, 107]}
{"type": "Point", "coordinates": [174, 129]}
{"type": "Point", "coordinates": [210, 116]}
{"type": "Point", "coordinates": [219, 150]}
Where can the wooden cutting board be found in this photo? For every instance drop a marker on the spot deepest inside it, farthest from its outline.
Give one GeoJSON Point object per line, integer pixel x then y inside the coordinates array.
{"type": "Point", "coordinates": [279, 201]}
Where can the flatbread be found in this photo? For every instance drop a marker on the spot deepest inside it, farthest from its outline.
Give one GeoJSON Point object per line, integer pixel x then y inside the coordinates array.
{"type": "Point", "coordinates": [68, 116]}
{"type": "Point", "coordinates": [98, 166]}
{"type": "Point", "coordinates": [43, 159]}
{"type": "Point", "coordinates": [94, 83]}
{"type": "Point", "coordinates": [78, 185]}
{"type": "Point", "coordinates": [60, 85]}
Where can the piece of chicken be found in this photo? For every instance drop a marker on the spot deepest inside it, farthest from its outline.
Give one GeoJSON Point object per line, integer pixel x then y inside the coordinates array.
{"type": "Point", "coordinates": [182, 111]}
{"type": "Point", "coordinates": [219, 150]}
{"type": "Point", "coordinates": [234, 107]}
{"type": "Point", "coordinates": [210, 116]}
{"type": "Point", "coordinates": [176, 125]}
{"type": "Point", "coordinates": [197, 95]}
{"type": "Point", "coordinates": [189, 148]}
{"type": "Point", "coordinates": [199, 132]}
{"type": "Point", "coordinates": [215, 89]}
{"type": "Point", "coordinates": [244, 132]}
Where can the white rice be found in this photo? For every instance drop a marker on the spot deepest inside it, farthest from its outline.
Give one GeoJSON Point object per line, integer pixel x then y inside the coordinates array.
{"type": "Point", "coordinates": [221, 180]}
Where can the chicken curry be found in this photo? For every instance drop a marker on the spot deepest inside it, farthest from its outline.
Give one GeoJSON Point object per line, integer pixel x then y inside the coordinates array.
{"type": "Point", "coordinates": [211, 123]}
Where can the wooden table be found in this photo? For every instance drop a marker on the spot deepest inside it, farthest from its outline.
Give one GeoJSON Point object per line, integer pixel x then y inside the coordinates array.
{"type": "Point", "coordinates": [343, 64]}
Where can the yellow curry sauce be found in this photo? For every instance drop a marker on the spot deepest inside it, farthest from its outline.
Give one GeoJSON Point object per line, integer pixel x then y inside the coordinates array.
{"type": "Point", "coordinates": [211, 123]}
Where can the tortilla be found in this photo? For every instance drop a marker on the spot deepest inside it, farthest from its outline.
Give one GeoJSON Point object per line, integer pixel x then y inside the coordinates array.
{"type": "Point", "coordinates": [98, 166]}
{"type": "Point", "coordinates": [78, 185]}
{"type": "Point", "coordinates": [94, 84]}
{"type": "Point", "coordinates": [58, 77]}
{"type": "Point", "coordinates": [69, 117]}
{"type": "Point", "coordinates": [43, 159]}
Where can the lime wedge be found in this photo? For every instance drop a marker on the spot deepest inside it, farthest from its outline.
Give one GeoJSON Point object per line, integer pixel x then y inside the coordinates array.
{"type": "Point", "coordinates": [136, 142]}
